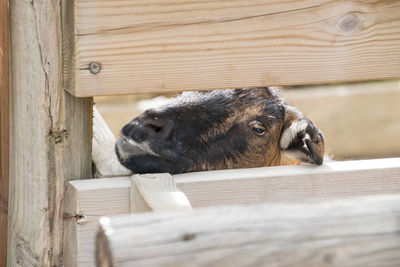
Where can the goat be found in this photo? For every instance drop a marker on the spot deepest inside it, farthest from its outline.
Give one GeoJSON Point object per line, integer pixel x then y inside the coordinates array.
{"type": "Point", "coordinates": [220, 129]}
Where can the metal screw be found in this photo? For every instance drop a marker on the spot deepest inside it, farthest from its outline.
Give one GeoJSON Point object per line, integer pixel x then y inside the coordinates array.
{"type": "Point", "coordinates": [95, 67]}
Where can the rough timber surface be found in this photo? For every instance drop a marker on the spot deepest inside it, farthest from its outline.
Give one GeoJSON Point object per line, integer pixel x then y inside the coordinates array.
{"type": "Point", "coordinates": [4, 126]}
{"type": "Point", "coordinates": [352, 232]}
{"type": "Point", "coordinates": [286, 184]}
{"type": "Point", "coordinates": [156, 192]}
{"type": "Point", "coordinates": [158, 46]}
{"type": "Point", "coordinates": [50, 137]}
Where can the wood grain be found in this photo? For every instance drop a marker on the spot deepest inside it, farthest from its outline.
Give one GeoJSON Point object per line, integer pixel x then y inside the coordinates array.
{"type": "Point", "coordinates": [4, 126]}
{"type": "Point", "coordinates": [50, 136]}
{"type": "Point", "coordinates": [156, 192]}
{"type": "Point", "coordinates": [285, 184]}
{"type": "Point", "coordinates": [82, 224]}
{"type": "Point", "coordinates": [352, 232]}
{"type": "Point", "coordinates": [158, 46]}
{"type": "Point", "coordinates": [103, 149]}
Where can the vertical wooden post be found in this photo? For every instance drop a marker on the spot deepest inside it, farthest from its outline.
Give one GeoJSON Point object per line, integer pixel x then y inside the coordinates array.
{"type": "Point", "coordinates": [4, 126]}
{"type": "Point", "coordinates": [50, 135]}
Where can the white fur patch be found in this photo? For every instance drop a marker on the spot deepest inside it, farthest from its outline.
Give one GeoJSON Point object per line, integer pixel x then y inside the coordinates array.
{"type": "Point", "coordinates": [291, 132]}
{"type": "Point", "coordinates": [128, 147]}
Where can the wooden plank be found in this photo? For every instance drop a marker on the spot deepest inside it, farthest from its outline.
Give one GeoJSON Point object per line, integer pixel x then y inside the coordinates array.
{"type": "Point", "coordinates": [80, 200]}
{"type": "Point", "coordinates": [233, 187]}
{"type": "Point", "coordinates": [156, 192]}
{"type": "Point", "coordinates": [353, 232]}
{"type": "Point", "coordinates": [4, 126]}
{"type": "Point", "coordinates": [103, 149]}
{"type": "Point", "coordinates": [50, 136]}
{"type": "Point", "coordinates": [258, 185]}
{"type": "Point", "coordinates": [70, 246]}
{"type": "Point", "coordinates": [158, 46]}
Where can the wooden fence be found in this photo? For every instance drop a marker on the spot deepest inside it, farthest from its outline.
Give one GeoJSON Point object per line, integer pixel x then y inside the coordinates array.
{"type": "Point", "coordinates": [147, 46]}
{"type": "Point", "coordinates": [118, 47]}
{"type": "Point", "coordinates": [285, 184]}
{"type": "Point", "coordinates": [352, 232]}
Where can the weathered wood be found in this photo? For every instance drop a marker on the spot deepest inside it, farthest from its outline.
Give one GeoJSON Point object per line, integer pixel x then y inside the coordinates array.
{"type": "Point", "coordinates": [232, 187]}
{"type": "Point", "coordinates": [83, 224]}
{"type": "Point", "coordinates": [103, 149]}
{"type": "Point", "coordinates": [353, 232]}
{"type": "Point", "coordinates": [4, 126]}
{"type": "Point", "coordinates": [156, 192]}
{"type": "Point", "coordinates": [149, 46]}
{"type": "Point", "coordinates": [50, 136]}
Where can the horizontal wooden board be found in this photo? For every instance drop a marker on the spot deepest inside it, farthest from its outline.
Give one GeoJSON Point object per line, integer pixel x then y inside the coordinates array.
{"type": "Point", "coordinates": [353, 232]}
{"type": "Point", "coordinates": [158, 46]}
{"type": "Point", "coordinates": [88, 200]}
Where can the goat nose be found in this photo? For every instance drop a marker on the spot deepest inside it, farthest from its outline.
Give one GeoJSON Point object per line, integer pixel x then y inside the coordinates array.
{"type": "Point", "coordinates": [128, 129]}
{"type": "Point", "coordinates": [158, 127]}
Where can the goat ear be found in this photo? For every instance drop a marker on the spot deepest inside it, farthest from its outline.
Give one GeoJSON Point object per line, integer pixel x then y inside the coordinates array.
{"type": "Point", "coordinates": [303, 141]}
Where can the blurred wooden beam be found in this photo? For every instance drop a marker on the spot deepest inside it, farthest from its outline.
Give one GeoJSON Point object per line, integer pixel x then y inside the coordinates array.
{"type": "Point", "coordinates": [103, 150]}
{"type": "Point", "coordinates": [352, 232]}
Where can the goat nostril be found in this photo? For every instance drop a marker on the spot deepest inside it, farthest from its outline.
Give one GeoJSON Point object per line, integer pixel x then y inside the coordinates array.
{"type": "Point", "coordinates": [153, 127]}
{"type": "Point", "coordinates": [167, 130]}
{"type": "Point", "coordinates": [162, 128]}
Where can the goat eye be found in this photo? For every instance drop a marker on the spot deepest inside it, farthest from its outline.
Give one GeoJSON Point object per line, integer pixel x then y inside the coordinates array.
{"type": "Point", "coordinates": [257, 128]}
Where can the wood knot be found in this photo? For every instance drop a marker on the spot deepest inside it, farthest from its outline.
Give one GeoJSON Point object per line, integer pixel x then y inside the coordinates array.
{"type": "Point", "coordinates": [350, 23]}
{"type": "Point", "coordinates": [329, 258]}
{"type": "Point", "coordinates": [188, 237]}
{"type": "Point", "coordinates": [59, 135]}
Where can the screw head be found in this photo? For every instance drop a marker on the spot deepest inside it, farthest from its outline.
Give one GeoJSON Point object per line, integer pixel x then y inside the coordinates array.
{"type": "Point", "coordinates": [95, 67]}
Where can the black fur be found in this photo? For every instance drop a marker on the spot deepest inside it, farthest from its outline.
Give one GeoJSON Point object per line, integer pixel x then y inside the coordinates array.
{"type": "Point", "coordinates": [192, 144]}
